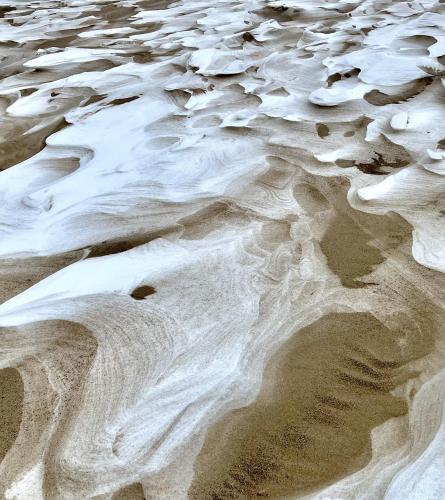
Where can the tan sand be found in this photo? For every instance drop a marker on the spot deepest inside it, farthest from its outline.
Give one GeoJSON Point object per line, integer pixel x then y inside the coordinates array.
{"type": "Point", "coordinates": [132, 492]}
{"type": "Point", "coordinates": [11, 399]}
{"type": "Point", "coordinates": [323, 392]}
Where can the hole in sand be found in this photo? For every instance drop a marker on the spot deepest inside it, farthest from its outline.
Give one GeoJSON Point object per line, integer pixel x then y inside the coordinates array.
{"type": "Point", "coordinates": [141, 292]}
{"type": "Point", "coordinates": [322, 130]}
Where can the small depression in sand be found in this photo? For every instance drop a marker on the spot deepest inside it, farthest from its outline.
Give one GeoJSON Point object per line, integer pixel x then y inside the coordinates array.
{"type": "Point", "coordinates": [322, 394]}
{"type": "Point", "coordinates": [11, 400]}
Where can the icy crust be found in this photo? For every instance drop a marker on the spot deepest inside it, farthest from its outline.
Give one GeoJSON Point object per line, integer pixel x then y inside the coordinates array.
{"type": "Point", "coordinates": [185, 132]}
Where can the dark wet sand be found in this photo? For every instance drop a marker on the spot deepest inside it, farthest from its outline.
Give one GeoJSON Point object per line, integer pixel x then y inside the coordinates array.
{"type": "Point", "coordinates": [322, 394]}
{"type": "Point", "coordinates": [11, 400]}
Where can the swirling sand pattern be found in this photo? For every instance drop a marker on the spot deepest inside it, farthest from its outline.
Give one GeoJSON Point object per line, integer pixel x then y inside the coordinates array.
{"type": "Point", "coordinates": [222, 249]}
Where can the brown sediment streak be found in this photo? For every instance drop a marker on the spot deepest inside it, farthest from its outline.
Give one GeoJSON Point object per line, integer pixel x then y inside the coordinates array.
{"type": "Point", "coordinates": [322, 394]}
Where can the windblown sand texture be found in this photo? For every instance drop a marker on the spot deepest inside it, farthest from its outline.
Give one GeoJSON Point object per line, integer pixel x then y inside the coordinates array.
{"type": "Point", "coordinates": [222, 249]}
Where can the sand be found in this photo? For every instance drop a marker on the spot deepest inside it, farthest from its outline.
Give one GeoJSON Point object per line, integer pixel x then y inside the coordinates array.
{"type": "Point", "coordinates": [222, 250]}
{"type": "Point", "coordinates": [322, 393]}
{"type": "Point", "coordinates": [11, 401]}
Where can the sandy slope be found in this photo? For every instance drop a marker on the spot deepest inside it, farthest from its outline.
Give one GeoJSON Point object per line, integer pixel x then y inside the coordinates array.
{"type": "Point", "coordinates": [222, 249]}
